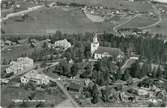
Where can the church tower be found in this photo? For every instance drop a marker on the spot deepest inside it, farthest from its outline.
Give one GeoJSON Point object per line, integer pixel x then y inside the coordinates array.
{"type": "Point", "coordinates": [94, 44]}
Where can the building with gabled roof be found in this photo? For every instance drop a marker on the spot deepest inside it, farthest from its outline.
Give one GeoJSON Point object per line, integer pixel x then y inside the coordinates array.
{"type": "Point", "coordinates": [35, 77]}
{"type": "Point", "coordinates": [20, 65]}
{"type": "Point", "coordinates": [62, 44]}
{"type": "Point", "coordinates": [99, 51]}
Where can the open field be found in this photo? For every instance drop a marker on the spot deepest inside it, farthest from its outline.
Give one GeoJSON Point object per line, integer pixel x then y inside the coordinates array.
{"type": "Point", "coordinates": [51, 20]}
{"type": "Point", "coordinates": [140, 5]}
{"type": "Point", "coordinates": [140, 21]}
{"type": "Point", "coordinates": [161, 27]}
{"type": "Point", "coordinates": [73, 20]}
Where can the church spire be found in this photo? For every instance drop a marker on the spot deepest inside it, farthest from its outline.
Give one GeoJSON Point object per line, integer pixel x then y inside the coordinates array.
{"type": "Point", "coordinates": [95, 40]}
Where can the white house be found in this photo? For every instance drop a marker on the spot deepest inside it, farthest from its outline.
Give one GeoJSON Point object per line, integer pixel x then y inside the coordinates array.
{"type": "Point", "coordinates": [35, 77]}
{"type": "Point", "coordinates": [63, 44]}
{"type": "Point", "coordinates": [99, 52]}
{"type": "Point", "coordinates": [21, 64]}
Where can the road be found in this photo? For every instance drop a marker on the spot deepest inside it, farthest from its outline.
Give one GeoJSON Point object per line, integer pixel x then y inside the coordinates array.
{"type": "Point", "coordinates": [117, 26]}
{"type": "Point", "coordinates": [64, 90]}
{"type": "Point", "coordinates": [128, 63]}
{"type": "Point", "coordinates": [21, 12]}
{"type": "Point", "coordinates": [61, 86]}
{"type": "Point", "coordinates": [159, 17]}
{"type": "Point", "coordinates": [144, 27]}
{"type": "Point", "coordinates": [22, 73]}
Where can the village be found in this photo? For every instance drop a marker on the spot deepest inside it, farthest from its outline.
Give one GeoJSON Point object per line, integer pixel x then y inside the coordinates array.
{"type": "Point", "coordinates": [122, 65]}
{"type": "Point", "coordinates": [78, 84]}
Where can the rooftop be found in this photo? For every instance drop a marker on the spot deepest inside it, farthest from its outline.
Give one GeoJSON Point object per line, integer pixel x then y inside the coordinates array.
{"type": "Point", "coordinates": [112, 51]}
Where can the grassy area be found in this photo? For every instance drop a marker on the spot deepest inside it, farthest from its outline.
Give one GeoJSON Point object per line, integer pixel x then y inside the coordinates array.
{"type": "Point", "coordinates": [141, 6]}
{"type": "Point", "coordinates": [161, 28]}
{"type": "Point", "coordinates": [140, 21]}
{"type": "Point", "coordinates": [69, 20]}
{"type": "Point", "coordinates": [53, 19]}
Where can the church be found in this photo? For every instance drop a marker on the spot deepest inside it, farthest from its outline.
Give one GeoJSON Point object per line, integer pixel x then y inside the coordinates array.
{"type": "Point", "coordinates": [98, 52]}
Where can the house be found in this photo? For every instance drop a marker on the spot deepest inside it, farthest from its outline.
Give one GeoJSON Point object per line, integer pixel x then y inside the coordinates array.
{"type": "Point", "coordinates": [62, 44]}
{"type": "Point", "coordinates": [20, 65]}
{"type": "Point", "coordinates": [8, 42]}
{"type": "Point", "coordinates": [74, 87]}
{"type": "Point", "coordinates": [4, 81]}
{"type": "Point", "coordinates": [35, 77]}
{"type": "Point", "coordinates": [23, 41]}
{"type": "Point", "coordinates": [99, 52]}
{"type": "Point", "coordinates": [142, 92]}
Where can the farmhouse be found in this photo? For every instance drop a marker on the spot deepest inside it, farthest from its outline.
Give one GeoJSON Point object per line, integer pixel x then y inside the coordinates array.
{"type": "Point", "coordinates": [99, 52]}
{"type": "Point", "coordinates": [20, 65]}
{"type": "Point", "coordinates": [62, 44]}
{"type": "Point", "coordinates": [35, 77]}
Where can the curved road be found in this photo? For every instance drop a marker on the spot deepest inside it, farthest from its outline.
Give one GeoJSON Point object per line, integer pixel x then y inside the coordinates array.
{"type": "Point", "coordinates": [117, 26]}
{"type": "Point", "coordinates": [144, 27]}
{"type": "Point", "coordinates": [159, 17]}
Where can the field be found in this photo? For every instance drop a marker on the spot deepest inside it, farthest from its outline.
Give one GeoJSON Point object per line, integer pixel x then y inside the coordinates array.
{"type": "Point", "coordinates": [140, 21]}
{"type": "Point", "coordinates": [139, 5]}
{"type": "Point", "coordinates": [53, 19]}
{"type": "Point", "coordinates": [161, 27]}
{"type": "Point", "coordinates": [73, 20]}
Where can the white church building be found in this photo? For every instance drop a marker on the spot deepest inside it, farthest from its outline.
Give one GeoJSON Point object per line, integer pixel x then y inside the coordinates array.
{"type": "Point", "coordinates": [99, 52]}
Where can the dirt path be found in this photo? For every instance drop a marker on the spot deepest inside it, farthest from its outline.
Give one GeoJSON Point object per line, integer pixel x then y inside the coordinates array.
{"type": "Point", "coordinates": [159, 17]}
{"type": "Point", "coordinates": [117, 26]}
{"type": "Point", "coordinates": [144, 27]}
{"type": "Point", "coordinates": [21, 12]}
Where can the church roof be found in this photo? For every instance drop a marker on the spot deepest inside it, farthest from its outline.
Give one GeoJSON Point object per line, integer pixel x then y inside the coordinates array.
{"type": "Point", "coordinates": [107, 50]}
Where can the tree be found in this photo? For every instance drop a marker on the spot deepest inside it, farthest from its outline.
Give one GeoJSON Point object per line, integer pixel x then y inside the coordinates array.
{"type": "Point", "coordinates": [68, 56]}
{"type": "Point", "coordinates": [74, 69]}
{"type": "Point", "coordinates": [24, 104]}
{"type": "Point", "coordinates": [41, 104]}
{"type": "Point", "coordinates": [12, 105]}
{"type": "Point", "coordinates": [159, 73]}
{"type": "Point", "coordinates": [88, 72]}
{"type": "Point", "coordinates": [105, 94]}
{"type": "Point", "coordinates": [4, 62]}
{"type": "Point", "coordinates": [87, 52]}
{"type": "Point", "coordinates": [44, 45]}
{"type": "Point", "coordinates": [94, 94]}
{"type": "Point", "coordinates": [126, 75]}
